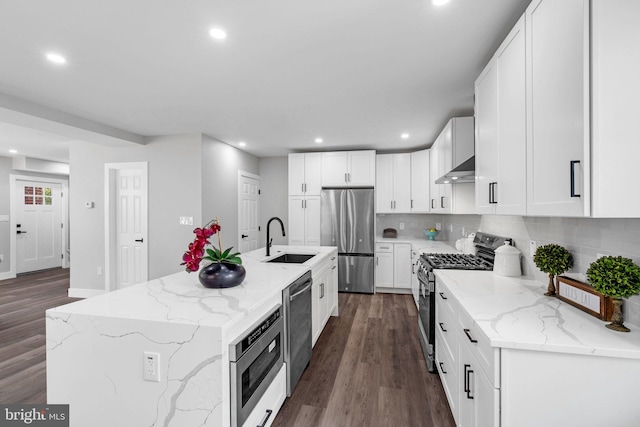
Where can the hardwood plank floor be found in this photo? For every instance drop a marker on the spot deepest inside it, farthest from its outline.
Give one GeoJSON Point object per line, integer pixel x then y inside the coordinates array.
{"type": "Point", "coordinates": [367, 369]}
{"type": "Point", "coordinates": [23, 302]}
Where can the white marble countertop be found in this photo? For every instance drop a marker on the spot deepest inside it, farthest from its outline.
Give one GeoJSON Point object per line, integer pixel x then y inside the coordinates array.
{"type": "Point", "coordinates": [180, 298]}
{"type": "Point", "coordinates": [422, 245]}
{"type": "Point", "coordinates": [514, 313]}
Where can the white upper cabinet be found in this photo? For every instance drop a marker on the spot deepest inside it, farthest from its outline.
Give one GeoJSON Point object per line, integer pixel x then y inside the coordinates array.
{"type": "Point", "coordinates": [393, 183]}
{"type": "Point", "coordinates": [420, 181]}
{"type": "Point", "coordinates": [305, 174]}
{"type": "Point", "coordinates": [501, 129]}
{"type": "Point", "coordinates": [615, 68]}
{"type": "Point", "coordinates": [558, 108]}
{"type": "Point", "coordinates": [349, 168]}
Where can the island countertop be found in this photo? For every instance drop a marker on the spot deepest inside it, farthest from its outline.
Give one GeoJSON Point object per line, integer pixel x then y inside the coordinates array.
{"type": "Point", "coordinates": [180, 298]}
{"type": "Point", "coordinates": [514, 313]}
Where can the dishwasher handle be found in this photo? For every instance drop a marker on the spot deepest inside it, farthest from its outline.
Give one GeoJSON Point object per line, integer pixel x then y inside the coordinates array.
{"type": "Point", "coordinates": [305, 289]}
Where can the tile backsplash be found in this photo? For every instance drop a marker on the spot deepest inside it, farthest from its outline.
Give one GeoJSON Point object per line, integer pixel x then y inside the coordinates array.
{"type": "Point", "coordinates": [585, 238]}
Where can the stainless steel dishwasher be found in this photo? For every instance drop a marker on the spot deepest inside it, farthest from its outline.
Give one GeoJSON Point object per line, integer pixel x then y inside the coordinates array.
{"type": "Point", "coordinates": [296, 299]}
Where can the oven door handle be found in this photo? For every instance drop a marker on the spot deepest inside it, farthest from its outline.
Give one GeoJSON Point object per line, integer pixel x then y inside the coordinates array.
{"type": "Point", "coordinates": [300, 292]}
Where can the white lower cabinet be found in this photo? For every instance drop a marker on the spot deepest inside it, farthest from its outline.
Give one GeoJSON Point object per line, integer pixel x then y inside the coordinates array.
{"type": "Point", "coordinates": [415, 284]}
{"type": "Point", "coordinates": [265, 411]}
{"type": "Point", "coordinates": [393, 265]}
{"type": "Point", "coordinates": [324, 295]}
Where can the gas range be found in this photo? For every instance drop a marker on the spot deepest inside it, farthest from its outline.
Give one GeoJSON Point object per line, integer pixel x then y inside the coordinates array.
{"type": "Point", "coordinates": [457, 261]}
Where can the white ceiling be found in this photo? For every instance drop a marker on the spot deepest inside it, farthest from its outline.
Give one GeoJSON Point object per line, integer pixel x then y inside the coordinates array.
{"type": "Point", "coordinates": [357, 73]}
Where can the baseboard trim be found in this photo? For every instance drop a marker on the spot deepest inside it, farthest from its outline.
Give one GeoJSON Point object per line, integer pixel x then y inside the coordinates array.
{"type": "Point", "coordinates": [84, 293]}
{"type": "Point", "coordinates": [404, 291]}
{"type": "Point", "coordinates": [7, 275]}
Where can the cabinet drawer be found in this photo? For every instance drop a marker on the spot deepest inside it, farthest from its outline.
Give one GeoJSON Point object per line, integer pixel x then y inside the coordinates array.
{"type": "Point", "coordinates": [446, 333]}
{"type": "Point", "coordinates": [270, 402]}
{"type": "Point", "coordinates": [488, 357]}
{"type": "Point", "coordinates": [384, 247]}
{"type": "Point", "coordinates": [445, 302]}
{"type": "Point", "coordinates": [447, 369]}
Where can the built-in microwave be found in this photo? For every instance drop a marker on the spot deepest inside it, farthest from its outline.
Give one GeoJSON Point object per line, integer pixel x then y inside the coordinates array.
{"type": "Point", "coordinates": [256, 358]}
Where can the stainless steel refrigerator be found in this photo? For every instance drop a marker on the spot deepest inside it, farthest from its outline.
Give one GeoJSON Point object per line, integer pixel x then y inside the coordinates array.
{"type": "Point", "coordinates": [347, 222]}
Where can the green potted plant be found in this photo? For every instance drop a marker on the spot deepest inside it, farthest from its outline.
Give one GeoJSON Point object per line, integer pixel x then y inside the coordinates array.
{"type": "Point", "coordinates": [615, 277]}
{"type": "Point", "coordinates": [552, 259]}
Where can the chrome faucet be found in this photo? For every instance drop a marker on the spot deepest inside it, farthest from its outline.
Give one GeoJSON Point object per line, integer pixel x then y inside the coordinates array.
{"type": "Point", "coordinates": [269, 240]}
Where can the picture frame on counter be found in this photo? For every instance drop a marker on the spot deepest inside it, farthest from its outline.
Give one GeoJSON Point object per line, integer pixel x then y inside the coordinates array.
{"type": "Point", "coordinates": [584, 297]}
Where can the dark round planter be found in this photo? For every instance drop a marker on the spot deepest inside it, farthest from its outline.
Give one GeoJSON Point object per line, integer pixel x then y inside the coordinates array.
{"type": "Point", "coordinates": [221, 275]}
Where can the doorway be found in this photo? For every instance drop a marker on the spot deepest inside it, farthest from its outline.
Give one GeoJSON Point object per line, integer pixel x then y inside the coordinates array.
{"type": "Point", "coordinates": [248, 210]}
{"type": "Point", "coordinates": [38, 223]}
{"type": "Point", "coordinates": [126, 224]}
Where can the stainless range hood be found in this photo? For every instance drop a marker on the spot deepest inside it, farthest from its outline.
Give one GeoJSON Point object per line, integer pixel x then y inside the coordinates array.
{"type": "Point", "coordinates": [464, 172]}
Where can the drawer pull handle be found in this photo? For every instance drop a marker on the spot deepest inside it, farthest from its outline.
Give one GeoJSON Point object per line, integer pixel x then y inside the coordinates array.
{"type": "Point", "coordinates": [266, 418]}
{"type": "Point", "coordinates": [442, 368]}
{"type": "Point", "coordinates": [467, 380]}
{"type": "Point", "coordinates": [442, 295]}
{"type": "Point", "coordinates": [442, 327]}
{"type": "Point", "coordinates": [473, 340]}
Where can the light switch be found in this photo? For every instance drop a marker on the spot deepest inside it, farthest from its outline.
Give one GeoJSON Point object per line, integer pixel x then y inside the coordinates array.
{"type": "Point", "coordinates": [4, 218]}
{"type": "Point", "coordinates": [88, 205]}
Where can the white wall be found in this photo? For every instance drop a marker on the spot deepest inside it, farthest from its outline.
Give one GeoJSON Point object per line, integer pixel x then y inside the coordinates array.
{"type": "Point", "coordinates": [585, 238]}
{"type": "Point", "coordinates": [175, 190]}
{"type": "Point", "coordinates": [220, 165]}
{"type": "Point", "coordinates": [274, 200]}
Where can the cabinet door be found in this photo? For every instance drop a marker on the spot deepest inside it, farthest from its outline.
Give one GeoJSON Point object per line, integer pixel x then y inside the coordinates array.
{"type": "Point", "coordinates": [313, 174]}
{"type": "Point", "coordinates": [434, 170]}
{"type": "Point", "coordinates": [362, 168]}
{"type": "Point", "coordinates": [445, 161]}
{"type": "Point", "coordinates": [312, 221]}
{"type": "Point", "coordinates": [384, 183]}
{"type": "Point", "coordinates": [384, 269]}
{"type": "Point", "coordinates": [402, 183]}
{"type": "Point", "coordinates": [315, 309]}
{"type": "Point", "coordinates": [486, 110]}
{"type": "Point", "coordinates": [332, 286]}
{"type": "Point", "coordinates": [402, 265]}
{"type": "Point", "coordinates": [334, 168]}
{"type": "Point", "coordinates": [414, 277]}
{"type": "Point", "coordinates": [479, 403]}
{"type": "Point", "coordinates": [296, 231]}
{"type": "Point", "coordinates": [558, 108]}
{"type": "Point", "coordinates": [420, 165]}
{"type": "Point", "coordinates": [296, 174]}
{"type": "Point", "coordinates": [511, 191]}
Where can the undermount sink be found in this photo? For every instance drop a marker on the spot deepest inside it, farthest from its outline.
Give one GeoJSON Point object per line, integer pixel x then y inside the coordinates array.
{"type": "Point", "coordinates": [292, 258]}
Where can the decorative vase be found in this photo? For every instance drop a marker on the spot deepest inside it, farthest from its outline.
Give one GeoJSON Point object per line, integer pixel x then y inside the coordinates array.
{"type": "Point", "coordinates": [551, 289]}
{"type": "Point", "coordinates": [221, 275]}
{"type": "Point", "coordinates": [617, 319]}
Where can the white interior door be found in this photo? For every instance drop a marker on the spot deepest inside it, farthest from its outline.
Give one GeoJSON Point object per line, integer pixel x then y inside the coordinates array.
{"type": "Point", "coordinates": [38, 226]}
{"type": "Point", "coordinates": [130, 226]}
{"type": "Point", "coordinates": [249, 234]}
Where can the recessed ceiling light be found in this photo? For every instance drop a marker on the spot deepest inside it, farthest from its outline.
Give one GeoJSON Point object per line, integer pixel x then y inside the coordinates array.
{"type": "Point", "coordinates": [454, 178]}
{"type": "Point", "coordinates": [12, 151]}
{"type": "Point", "coordinates": [404, 136]}
{"type": "Point", "coordinates": [318, 140]}
{"type": "Point", "coordinates": [242, 144]}
{"type": "Point", "coordinates": [218, 33]}
{"type": "Point", "coordinates": [439, 2]}
{"type": "Point", "coordinates": [54, 57]}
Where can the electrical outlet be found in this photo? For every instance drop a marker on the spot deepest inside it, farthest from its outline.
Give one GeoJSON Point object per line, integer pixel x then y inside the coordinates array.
{"type": "Point", "coordinates": [462, 232]}
{"type": "Point", "coordinates": [402, 226]}
{"type": "Point", "coordinates": [151, 366]}
{"type": "Point", "coordinates": [533, 246]}
{"type": "Point", "coordinates": [99, 271]}
{"type": "Point", "coordinates": [438, 226]}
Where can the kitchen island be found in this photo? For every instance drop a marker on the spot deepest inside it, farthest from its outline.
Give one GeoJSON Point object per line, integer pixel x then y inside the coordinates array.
{"type": "Point", "coordinates": [510, 356]}
{"type": "Point", "coordinates": [95, 347]}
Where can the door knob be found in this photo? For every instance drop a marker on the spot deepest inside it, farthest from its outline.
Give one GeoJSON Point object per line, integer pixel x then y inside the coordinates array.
{"type": "Point", "coordinates": [140, 240]}
{"type": "Point", "coordinates": [244, 235]}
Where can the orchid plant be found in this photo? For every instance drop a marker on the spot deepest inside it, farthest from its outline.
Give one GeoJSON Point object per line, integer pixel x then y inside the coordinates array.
{"type": "Point", "coordinates": [198, 251]}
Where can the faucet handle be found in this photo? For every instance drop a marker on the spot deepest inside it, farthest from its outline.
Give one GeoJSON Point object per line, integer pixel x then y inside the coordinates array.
{"type": "Point", "coordinates": [270, 242]}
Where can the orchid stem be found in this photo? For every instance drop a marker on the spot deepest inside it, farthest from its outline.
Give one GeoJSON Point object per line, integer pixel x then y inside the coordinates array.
{"type": "Point", "coordinates": [219, 238]}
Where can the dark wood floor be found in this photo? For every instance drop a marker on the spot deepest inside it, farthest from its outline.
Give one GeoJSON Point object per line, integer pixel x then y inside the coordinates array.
{"type": "Point", "coordinates": [367, 369]}
{"type": "Point", "coordinates": [23, 301]}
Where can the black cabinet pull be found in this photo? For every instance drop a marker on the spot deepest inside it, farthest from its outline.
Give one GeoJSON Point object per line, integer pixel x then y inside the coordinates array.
{"type": "Point", "coordinates": [573, 178]}
{"type": "Point", "coordinates": [432, 200]}
{"type": "Point", "coordinates": [467, 380]}
{"type": "Point", "coordinates": [442, 327]}
{"type": "Point", "coordinates": [21, 232]}
{"type": "Point", "coordinates": [140, 240]}
{"type": "Point", "coordinates": [442, 368]}
{"type": "Point", "coordinates": [492, 193]}
{"type": "Point", "coordinates": [442, 202]}
{"type": "Point", "coordinates": [442, 295]}
{"type": "Point", "coordinates": [473, 340]}
{"type": "Point", "coordinates": [266, 418]}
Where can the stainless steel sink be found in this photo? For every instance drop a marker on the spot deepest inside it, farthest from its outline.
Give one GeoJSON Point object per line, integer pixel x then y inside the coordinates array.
{"type": "Point", "coordinates": [292, 258]}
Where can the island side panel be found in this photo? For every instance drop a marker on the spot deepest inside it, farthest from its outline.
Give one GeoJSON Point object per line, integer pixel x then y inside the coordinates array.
{"type": "Point", "coordinates": [94, 364]}
{"type": "Point", "coordinates": [557, 389]}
